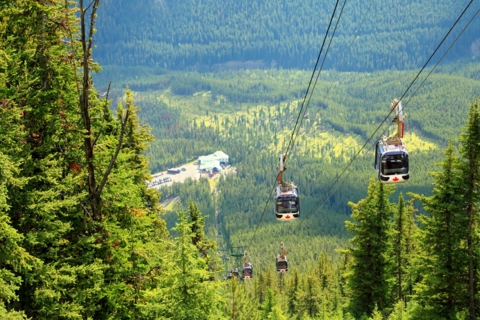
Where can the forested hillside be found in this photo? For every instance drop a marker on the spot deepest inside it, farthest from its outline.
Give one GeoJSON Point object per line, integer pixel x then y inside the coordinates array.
{"type": "Point", "coordinates": [250, 115]}
{"type": "Point", "coordinates": [214, 35]}
{"type": "Point", "coordinates": [82, 236]}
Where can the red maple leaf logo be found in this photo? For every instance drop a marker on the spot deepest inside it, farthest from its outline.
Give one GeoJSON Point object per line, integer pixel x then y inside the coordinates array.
{"type": "Point", "coordinates": [395, 179]}
{"type": "Point", "coordinates": [288, 217]}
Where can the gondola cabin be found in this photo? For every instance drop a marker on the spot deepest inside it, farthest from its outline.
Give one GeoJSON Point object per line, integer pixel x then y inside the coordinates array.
{"type": "Point", "coordinates": [287, 203]}
{"type": "Point", "coordinates": [282, 264]}
{"type": "Point", "coordinates": [247, 271]}
{"type": "Point", "coordinates": [229, 276]}
{"type": "Point", "coordinates": [235, 272]}
{"type": "Point", "coordinates": [391, 162]}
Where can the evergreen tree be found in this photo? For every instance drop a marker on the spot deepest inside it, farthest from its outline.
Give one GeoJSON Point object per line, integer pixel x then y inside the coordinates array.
{"type": "Point", "coordinates": [207, 247]}
{"type": "Point", "coordinates": [238, 305]}
{"type": "Point", "coordinates": [470, 168]}
{"type": "Point", "coordinates": [369, 276]}
{"type": "Point", "coordinates": [269, 304]}
{"type": "Point", "coordinates": [183, 291]}
{"type": "Point", "coordinates": [376, 314]}
{"type": "Point", "coordinates": [399, 312]}
{"type": "Point", "coordinates": [411, 247]}
{"type": "Point", "coordinates": [442, 261]}
{"type": "Point", "coordinates": [276, 314]}
{"type": "Point", "coordinates": [292, 292]}
{"type": "Point", "coordinates": [309, 297]}
{"type": "Point", "coordinates": [399, 247]}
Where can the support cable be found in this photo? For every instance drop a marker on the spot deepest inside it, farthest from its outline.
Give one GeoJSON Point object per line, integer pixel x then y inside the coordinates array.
{"type": "Point", "coordinates": [299, 114]}
{"type": "Point", "coordinates": [318, 74]}
{"type": "Point", "coordinates": [311, 78]}
{"type": "Point", "coordinates": [381, 124]}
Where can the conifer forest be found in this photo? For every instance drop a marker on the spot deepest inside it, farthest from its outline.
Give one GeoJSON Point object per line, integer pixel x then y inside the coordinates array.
{"type": "Point", "coordinates": [98, 98]}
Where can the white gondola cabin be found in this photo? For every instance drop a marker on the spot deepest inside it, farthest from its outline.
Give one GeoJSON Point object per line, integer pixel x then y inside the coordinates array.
{"type": "Point", "coordinates": [391, 155]}
{"type": "Point", "coordinates": [287, 203]}
{"type": "Point", "coordinates": [287, 200]}
{"type": "Point", "coordinates": [391, 162]}
{"type": "Point", "coordinates": [282, 263]}
{"type": "Point", "coordinates": [247, 271]}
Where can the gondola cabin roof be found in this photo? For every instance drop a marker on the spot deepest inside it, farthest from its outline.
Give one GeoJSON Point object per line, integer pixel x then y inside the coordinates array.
{"type": "Point", "coordinates": [392, 147]}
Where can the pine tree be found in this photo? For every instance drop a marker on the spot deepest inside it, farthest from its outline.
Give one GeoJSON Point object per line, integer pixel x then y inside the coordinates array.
{"type": "Point", "coordinates": [376, 314]}
{"type": "Point", "coordinates": [207, 247]}
{"type": "Point", "coordinates": [183, 291]}
{"type": "Point", "coordinates": [238, 305]}
{"type": "Point", "coordinates": [470, 168]}
{"type": "Point", "coordinates": [276, 314]}
{"type": "Point", "coordinates": [398, 312]}
{"type": "Point", "coordinates": [369, 276]}
{"type": "Point", "coordinates": [309, 296]}
{"type": "Point", "coordinates": [269, 304]}
{"type": "Point", "coordinates": [12, 256]}
{"type": "Point", "coordinates": [442, 262]}
{"type": "Point", "coordinates": [292, 292]}
{"type": "Point", "coordinates": [399, 247]}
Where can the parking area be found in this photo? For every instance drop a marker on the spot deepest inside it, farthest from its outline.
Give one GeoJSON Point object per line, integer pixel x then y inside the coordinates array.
{"type": "Point", "coordinates": [191, 171]}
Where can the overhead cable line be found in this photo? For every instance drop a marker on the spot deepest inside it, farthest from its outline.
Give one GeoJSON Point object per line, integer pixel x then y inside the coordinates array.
{"type": "Point", "coordinates": [318, 74]}
{"type": "Point", "coordinates": [298, 117]}
{"type": "Point", "coordinates": [350, 47]}
{"type": "Point", "coordinates": [311, 78]}
{"type": "Point", "coordinates": [381, 124]}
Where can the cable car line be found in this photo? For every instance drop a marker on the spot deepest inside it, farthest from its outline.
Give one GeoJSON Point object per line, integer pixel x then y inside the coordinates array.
{"type": "Point", "coordinates": [298, 117]}
{"type": "Point", "coordinates": [318, 73]}
{"type": "Point", "coordinates": [381, 124]}
{"type": "Point", "coordinates": [392, 111]}
{"type": "Point", "coordinates": [311, 78]}
{"type": "Point", "coordinates": [261, 217]}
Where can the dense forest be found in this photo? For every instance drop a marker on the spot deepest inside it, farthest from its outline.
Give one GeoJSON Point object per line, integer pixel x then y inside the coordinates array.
{"type": "Point", "coordinates": [216, 35]}
{"type": "Point", "coordinates": [82, 237]}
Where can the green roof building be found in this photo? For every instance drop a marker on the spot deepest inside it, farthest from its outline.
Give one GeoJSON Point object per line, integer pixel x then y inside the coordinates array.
{"type": "Point", "coordinates": [213, 161]}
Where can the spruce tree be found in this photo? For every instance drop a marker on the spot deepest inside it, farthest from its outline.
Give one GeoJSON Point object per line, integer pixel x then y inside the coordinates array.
{"type": "Point", "coordinates": [369, 277]}
{"type": "Point", "coordinates": [292, 292]}
{"type": "Point", "coordinates": [309, 297]}
{"type": "Point", "coordinates": [182, 291]}
{"type": "Point", "coordinates": [442, 261]}
{"type": "Point", "coordinates": [399, 247]}
{"type": "Point", "coordinates": [269, 304]}
{"type": "Point", "coordinates": [470, 168]}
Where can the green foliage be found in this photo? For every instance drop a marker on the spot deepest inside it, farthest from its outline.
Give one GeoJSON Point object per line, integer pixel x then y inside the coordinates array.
{"type": "Point", "coordinates": [239, 305]}
{"type": "Point", "coordinates": [229, 34]}
{"type": "Point", "coordinates": [369, 276]}
{"type": "Point", "coordinates": [269, 304]}
{"type": "Point", "coordinates": [276, 314]}
{"type": "Point", "coordinates": [443, 260]}
{"type": "Point", "coordinates": [377, 314]}
{"type": "Point", "coordinates": [399, 312]}
{"type": "Point", "coordinates": [183, 290]}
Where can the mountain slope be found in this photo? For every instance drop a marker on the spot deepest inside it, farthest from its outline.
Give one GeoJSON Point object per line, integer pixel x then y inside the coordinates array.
{"type": "Point", "coordinates": [204, 33]}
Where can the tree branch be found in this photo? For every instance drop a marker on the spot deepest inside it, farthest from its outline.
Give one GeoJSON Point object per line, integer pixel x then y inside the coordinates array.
{"type": "Point", "coordinates": [114, 157]}
{"type": "Point", "coordinates": [67, 20]}
{"type": "Point", "coordinates": [104, 116]}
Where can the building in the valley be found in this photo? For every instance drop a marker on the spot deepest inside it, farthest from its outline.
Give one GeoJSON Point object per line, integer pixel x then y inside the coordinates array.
{"type": "Point", "coordinates": [213, 162]}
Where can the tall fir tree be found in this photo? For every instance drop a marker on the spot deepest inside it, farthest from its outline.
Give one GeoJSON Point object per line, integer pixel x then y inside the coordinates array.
{"type": "Point", "coordinates": [470, 168]}
{"type": "Point", "coordinates": [442, 261]}
{"type": "Point", "coordinates": [399, 248]}
{"type": "Point", "coordinates": [369, 277]}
